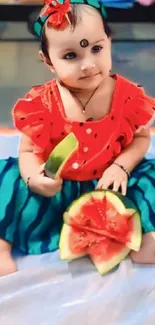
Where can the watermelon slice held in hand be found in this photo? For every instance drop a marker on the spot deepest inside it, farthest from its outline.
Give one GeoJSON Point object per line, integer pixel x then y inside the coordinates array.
{"type": "Point", "coordinates": [102, 224]}
{"type": "Point", "coordinates": [59, 156]}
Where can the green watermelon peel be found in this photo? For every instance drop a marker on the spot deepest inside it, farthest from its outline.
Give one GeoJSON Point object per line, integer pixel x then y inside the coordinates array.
{"type": "Point", "coordinates": [60, 155]}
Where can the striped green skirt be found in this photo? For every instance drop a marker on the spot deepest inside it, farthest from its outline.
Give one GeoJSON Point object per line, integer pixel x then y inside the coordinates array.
{"type": "Point", "coordinates": [33, 223]}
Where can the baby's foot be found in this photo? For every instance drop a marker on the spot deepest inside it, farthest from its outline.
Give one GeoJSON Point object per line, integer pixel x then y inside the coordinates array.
{"type": "Point", "coordinates": [7, 264]}
{"type": "Point", "coordinates": [146, 255]}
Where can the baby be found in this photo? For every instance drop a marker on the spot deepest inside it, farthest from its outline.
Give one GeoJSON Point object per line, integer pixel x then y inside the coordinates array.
{"type": "Point", "coordinates": [108, 114]}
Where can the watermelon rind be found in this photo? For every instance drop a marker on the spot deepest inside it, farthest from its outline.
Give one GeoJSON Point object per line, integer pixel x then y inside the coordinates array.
{"type": "Point", "coordinates": [123, 204]}
{"type": "Point", "coordinates": [106, 266]}
{"type": "Point", "coordinates": [65, 252]}
{"type": "Point", "coordinates": [60, 155]}
{"type": "Point", "coordinates": [136, 235]}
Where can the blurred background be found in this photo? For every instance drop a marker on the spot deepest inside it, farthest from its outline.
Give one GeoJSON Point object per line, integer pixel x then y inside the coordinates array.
{"type": "Point", "coordinates": [21, 68]}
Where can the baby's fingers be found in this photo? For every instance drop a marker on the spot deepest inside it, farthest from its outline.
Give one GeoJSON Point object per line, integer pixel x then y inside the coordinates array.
{"type": "Point", "coordinates": [52, 182]}
{"type": "Point", "coordinates": [52, 187]}
{"type": "Point", "coordinates": [120, 184]}
{"type": "Point", "coordinates": [124, 187]}
{"type": "Point", "coordinates": [116, 186]}
{"type": "Point", "coordinates": [104, 183]}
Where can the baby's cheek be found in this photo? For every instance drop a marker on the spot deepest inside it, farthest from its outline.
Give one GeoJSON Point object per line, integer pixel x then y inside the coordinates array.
{"type": "Point", "coordinates": [66, 71]}
{"type": "Point", "coordinates": [70, 76]}
{"type": "Point", "coordinates": [105, 62]}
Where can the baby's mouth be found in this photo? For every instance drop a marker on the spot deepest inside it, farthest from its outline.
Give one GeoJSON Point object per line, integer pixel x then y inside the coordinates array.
{"type": "Point", "coordinates": [90, 76]}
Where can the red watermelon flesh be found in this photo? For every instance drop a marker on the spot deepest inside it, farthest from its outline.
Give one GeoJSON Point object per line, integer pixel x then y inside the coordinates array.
{"type": "Point", "coordinates": [97, 246]}
{"type": "Point", "coordinates": [81, 241]}
{"type": "Point", "coordinates": [102, 217]}
{"type": "Point", "coordinates": [104, 250]}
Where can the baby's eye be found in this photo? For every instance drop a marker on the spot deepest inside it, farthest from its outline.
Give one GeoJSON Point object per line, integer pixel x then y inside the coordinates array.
{"type": "Point", "coordinates": [69, 56]}
{"type": "Point", "coordinates": [96, 48]}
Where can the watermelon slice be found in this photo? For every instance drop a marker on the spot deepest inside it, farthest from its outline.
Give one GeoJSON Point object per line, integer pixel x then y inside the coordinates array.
{"type": "Point", "coordinates": [106, 213]}
{"type": "Point", "coordinates": [102, 224]}
{"type": "Point", "coordinates": [59, 156]}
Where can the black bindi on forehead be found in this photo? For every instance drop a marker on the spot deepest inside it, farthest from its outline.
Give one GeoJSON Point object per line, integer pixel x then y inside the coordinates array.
{"type": "Point", "coordinates": [84, 43]}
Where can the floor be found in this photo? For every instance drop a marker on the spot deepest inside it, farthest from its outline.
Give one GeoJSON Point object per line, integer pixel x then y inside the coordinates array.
{"type": "Point", "coordinates": [21, 67]}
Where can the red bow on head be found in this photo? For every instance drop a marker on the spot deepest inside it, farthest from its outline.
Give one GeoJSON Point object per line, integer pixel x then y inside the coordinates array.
{"type": "Point", "coordinates": [56, 11]}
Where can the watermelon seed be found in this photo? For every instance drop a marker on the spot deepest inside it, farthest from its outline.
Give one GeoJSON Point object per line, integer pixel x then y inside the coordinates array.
{"type": "Point", "coordinates": [22, 118]}
{"type": "Point", "coordinates": [113, 225]}
{"type": "Point", "coordinates": [81, 235]}
{"type": "Point", "coordinates": [111, 213]}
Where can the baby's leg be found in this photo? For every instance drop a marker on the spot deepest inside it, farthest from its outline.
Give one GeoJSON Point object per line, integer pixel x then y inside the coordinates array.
{"type": "Point", "coordinates": [7, 264]}
{"type": "Point", "coordinates": [146, 255]}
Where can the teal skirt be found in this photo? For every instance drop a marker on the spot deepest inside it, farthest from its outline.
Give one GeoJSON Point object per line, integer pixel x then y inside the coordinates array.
{"type": "Point", "coordinates": [33, 223]}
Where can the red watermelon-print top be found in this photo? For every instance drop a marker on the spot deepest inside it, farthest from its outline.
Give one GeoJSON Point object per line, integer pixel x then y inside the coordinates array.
{"type": "Point", "coordinates": [41, 117]}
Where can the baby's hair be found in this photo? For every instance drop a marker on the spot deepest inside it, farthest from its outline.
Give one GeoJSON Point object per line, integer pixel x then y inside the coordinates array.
{"type": "Point", "coordinates": [73, 21]}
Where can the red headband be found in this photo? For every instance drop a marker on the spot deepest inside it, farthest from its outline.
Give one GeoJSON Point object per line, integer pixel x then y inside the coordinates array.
{"type": "Point", "coordinates": [56, 11]}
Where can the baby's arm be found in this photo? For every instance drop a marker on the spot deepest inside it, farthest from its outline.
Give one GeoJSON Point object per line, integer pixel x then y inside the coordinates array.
{"type": "Point", "coordinates": [29, 163]}
{"type": "Point", "coordinates": [32, 168]}
{"type": "Point", "coordinates": [135, 152]}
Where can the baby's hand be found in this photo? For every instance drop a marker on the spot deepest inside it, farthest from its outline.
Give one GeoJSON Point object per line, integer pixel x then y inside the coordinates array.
{"type": "Point", "coordinates": [114, 176]}
{"type": "Point", "coordinates": [43, 185]}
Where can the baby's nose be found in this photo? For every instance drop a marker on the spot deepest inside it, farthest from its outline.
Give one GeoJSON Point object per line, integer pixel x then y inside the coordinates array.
{"type": "Point", "coordinates": [87, 66]}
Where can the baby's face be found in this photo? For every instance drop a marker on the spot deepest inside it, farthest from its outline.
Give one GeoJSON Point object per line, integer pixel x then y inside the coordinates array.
{"type": "Point", "coordinates": [77, 66]}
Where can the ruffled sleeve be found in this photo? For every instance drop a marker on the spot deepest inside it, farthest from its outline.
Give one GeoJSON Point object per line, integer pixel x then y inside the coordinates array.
{"type": "Point", "coordinates": [139, 109]}
{"type": "Point", "coordinates": [32, 117]}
